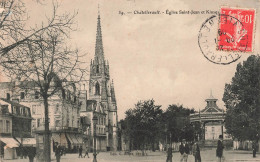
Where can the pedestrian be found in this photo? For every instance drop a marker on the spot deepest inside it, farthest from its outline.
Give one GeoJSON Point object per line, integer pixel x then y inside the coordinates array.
{"type": "Point", "coordinates": [31, 152]}
{"type": "Point", "coordinates": [169, 155]}
{"type": "Point", "coordinates": [64, 150]}
{"type": "Point", "coordinates": [58, 153]}
{"type": "Point", "coordinates": [196, 152]}
{"type": "Point", "coordinates": [86, 152]}
{"type": "Point", "coordinates": [254, 147]}
{"type": "Point", "coordinates": [80, 152]}
{"type": "Point", "coordinates": [21, 151]}
{"type": "Point", "coordinates": [190, 147]}
{"type": "Point", "coordinates": [219, 151]}
{"type": "Point", "coordinates": [1, 152]}
{"type": "Point", "coordinates": [184, 150]}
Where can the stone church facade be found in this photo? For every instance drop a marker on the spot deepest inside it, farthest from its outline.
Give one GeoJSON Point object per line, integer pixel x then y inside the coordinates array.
{"type": "Point", "coordinates": [101, 99]}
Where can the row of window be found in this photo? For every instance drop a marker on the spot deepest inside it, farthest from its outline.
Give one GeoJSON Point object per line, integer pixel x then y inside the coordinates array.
{"type": "Point", "coordinates": [67, 95]}
{"type": "Point", "coordinates": [101, 131]}
{"type": "Point", "coordinates": [24, 111]}
{"type": "Point", "coordinates": [101, 120]}
{"type": "Point", "coordinates": [22, 95]}
{"type": "Point", "coordinates": [5, 126]}
{"type": "Point", "coordinates": [212, 129]}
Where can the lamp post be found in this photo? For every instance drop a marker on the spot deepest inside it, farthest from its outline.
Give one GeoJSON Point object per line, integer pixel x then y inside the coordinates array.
{"type": "Point", "coordinates": [95, 119]}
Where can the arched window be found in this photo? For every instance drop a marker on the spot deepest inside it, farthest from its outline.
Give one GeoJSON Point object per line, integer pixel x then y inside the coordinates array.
{"type": "Point", "coordinates": [97, 92]}
{"type": "Point", "coordinates": [36, 95]}
{"type": "Point", "coordinates": [97, 68]}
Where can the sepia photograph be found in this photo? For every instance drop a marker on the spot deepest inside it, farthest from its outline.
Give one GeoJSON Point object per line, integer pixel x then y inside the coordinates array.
{"type": "Point", "coordinates": [129, 81]}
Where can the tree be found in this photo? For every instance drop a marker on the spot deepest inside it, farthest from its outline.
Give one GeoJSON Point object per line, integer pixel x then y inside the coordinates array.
{"type": "Point", "coordinates": [49, 64]}
{"type": "Point", "coordinates": [14, 31]}
{"type": "Point", "coordinates": [36, 53]}
{"type": "Point", "coordinates": [141, 124]}
{"type": "Point", "coordinates": [242, 100]}
{"type": "Point", "coordinates": [176, 120]}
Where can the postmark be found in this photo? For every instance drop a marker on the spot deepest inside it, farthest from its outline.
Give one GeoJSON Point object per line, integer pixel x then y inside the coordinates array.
{"type": "Point", "coordinates": [223, 38]}
{"type": "Point", "coordinates": [236, 29]}
{"type": "Point", "coordinates": [208, 41]}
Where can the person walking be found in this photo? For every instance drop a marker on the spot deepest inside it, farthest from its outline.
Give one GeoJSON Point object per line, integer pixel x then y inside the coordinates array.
{"type": "Point", "coordinates": [58, 153]}
{"type": "Point", "coordinates": [31, 152]}
{"type": "Point", "coordinates": [254, 147]}
{"type": "Point", "coordinates": [184, 150]}
{"type": "Point", "coordinates": [196, 152]}
{"type": "Point", "coordinates": [86, 152]}
{"type": "Point", "coordinates": [169, 155]}
{"type": "Point", "coordinates": [219, 151]}
{"type": "Point", "coordinates": [181, 150]}
{"type": "Point", "coordinates": [80, 152]}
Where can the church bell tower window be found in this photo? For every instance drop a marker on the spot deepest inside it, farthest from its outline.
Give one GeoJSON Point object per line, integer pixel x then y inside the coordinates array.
{"type": "Point", "coordinates": [97, 69]}
{"type": "Point", "coordinates": [97, 92]}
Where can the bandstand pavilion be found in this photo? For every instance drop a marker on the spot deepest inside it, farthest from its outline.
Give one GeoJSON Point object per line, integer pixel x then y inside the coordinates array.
{"type": "Point", "coordinates": [211, 120]}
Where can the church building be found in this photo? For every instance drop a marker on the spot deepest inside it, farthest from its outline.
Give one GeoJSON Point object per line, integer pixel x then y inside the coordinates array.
{"type": "Point", "coordinates": [101, 99]}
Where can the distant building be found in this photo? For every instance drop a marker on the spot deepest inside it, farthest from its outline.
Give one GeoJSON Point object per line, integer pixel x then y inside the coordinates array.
{"type": "Point", "coordinates": [102, 100]}
{"type": "Point", "coordinates": [212, 120]}
{"type": "Point", "coordinates": [15, 128]}
{"type": "Point", "coordinates": [64, 111]}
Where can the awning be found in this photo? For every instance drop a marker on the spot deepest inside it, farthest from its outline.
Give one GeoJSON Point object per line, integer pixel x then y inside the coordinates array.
{"type": "Point", "coordinates": [60, 138]}
{"type": "Point", "coordinates": [56, 137]}
{"type": "Point", "coordinates": [27, 141]}
{"type": "Point", "coordinates": [73, 139]}
{"type": "Point", "coordinates": [63, 140]}
{"type": "Point", "coordinates": [69, 138]}
{"type": "Point", "coordinates": [10, 142]}
{"type": "Point", "coordinates": [79, 138]}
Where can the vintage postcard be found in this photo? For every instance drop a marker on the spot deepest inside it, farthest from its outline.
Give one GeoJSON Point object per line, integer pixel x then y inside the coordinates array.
{"type": "Point", "coordinates": [129, 80]}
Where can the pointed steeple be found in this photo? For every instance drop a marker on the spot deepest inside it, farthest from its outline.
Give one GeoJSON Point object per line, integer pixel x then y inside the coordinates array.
{"type": "Point", "coordinates": [99, 53]}
{"type": "Point", "coordinates": [113, 96]}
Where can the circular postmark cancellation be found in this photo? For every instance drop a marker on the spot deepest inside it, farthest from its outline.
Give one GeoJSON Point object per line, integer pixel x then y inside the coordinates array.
{"type": "Point", "coordinates": [211, 36]}
{"type": "Point", "coordinates": [223, 38]}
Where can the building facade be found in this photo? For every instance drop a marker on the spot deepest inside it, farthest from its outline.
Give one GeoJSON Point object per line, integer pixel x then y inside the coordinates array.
{"type": "Point", "coordinates": [15, 128]}
{"type": "Point", "coordinates": [64, 112]}
{"type": "Point", "coordinates": [101, 98]}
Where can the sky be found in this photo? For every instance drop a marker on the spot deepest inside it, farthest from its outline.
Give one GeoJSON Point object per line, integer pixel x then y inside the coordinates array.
{"type": "Point", "coordinates": [151, 56]}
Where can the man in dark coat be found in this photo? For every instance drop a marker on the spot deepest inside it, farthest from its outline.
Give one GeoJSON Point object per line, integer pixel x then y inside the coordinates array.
{"type": "Point", "coordinates": [184, 150]}
{"type": "Point", "coordinates": [220, 147]}
{"type": "Point", "coordinates": [169, 155]}
{"type": "Point", "coordinates": [80, 152]}
{"type": "Point", "coordinates": [31, 151]}
{"type": "Point", "coordinates": [196, 152]}
{"type": "Point", "coordinates": [58, 153]}
{"type": "Point", "coordinates": [254, 147]}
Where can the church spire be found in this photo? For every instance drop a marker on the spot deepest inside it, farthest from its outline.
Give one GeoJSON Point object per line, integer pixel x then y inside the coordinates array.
{"type": "Point", "coordinates": [99, 53]}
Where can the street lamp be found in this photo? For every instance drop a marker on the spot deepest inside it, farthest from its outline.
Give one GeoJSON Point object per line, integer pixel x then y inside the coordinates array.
{"type": "Point", "coordinates": [95, 120]}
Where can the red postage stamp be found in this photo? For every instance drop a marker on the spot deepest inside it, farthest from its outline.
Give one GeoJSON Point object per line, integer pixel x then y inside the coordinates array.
{"type": "Point", "coordinates": [236, 29]}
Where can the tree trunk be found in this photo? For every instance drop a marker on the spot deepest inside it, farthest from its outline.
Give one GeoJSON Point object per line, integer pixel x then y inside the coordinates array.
{"type": "Point", "coordinates": [47, 147]}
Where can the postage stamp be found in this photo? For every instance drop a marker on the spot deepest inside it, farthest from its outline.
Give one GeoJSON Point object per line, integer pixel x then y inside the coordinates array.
{"type": "Point", "coordinates": [236, 29]}
{"type": "Point", "coordinates": [208, 41]}
{"type": "Point", "coordinates": [223, 38]}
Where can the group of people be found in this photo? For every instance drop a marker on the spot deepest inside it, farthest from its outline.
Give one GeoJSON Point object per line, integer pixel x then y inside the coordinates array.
{"type": "Point", "coordinates": [184, 150]}
{"type": "Point", "coordinates": [81, 150]}
{"type": "Point", "coordinates": [59, 152]}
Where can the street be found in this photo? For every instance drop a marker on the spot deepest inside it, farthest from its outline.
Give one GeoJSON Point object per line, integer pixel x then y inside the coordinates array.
{"type": "Point", "coordinates": [206, 155]}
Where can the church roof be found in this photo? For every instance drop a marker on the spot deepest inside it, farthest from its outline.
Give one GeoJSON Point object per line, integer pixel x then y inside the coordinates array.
{"type": "Point", "coordinates": [99, 52]}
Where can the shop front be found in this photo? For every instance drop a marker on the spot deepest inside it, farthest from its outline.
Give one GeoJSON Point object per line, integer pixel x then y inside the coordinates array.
{"type": "Point", "coordinates": [8, 148]}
